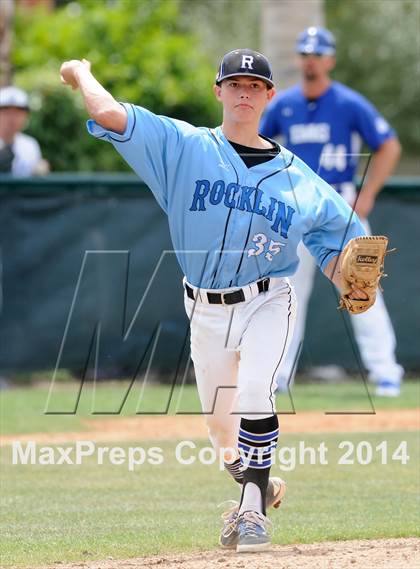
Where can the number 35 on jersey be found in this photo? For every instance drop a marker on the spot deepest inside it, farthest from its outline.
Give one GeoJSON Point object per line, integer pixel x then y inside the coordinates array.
{"type": "Point", "coordinates": [264, 245]}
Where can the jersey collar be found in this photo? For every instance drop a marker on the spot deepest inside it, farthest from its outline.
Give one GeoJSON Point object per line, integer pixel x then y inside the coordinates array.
{"type": "Point", "coordinates": [279, 162]}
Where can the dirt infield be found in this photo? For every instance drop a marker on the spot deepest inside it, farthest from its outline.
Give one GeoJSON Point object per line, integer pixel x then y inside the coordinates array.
{"type": "Point", "coordinates": [193, 426]}
{"type": "Point", "coordinates": [361, 554]}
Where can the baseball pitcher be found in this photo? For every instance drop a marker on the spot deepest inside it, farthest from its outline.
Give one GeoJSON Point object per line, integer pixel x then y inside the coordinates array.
{"type": "Point", "coordinates": [238, 204]}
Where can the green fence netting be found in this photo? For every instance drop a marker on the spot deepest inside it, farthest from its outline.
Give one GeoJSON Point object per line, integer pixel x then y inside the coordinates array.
{"type": "Point", "coordinates": [89, 280]}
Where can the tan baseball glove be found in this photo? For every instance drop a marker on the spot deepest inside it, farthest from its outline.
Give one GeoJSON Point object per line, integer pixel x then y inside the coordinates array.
{"type": "Point", "coordinates": [362, 264]}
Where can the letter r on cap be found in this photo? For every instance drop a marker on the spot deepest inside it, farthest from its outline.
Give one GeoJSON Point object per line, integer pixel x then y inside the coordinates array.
{"type": "Point", "coordinates": [247, 61]}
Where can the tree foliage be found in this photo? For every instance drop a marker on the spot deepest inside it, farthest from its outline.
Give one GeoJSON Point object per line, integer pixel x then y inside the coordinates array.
{"type": "Point", "coordinates": [140, 51]}
{"type": "Point", "coordinates": [378, 49]}
{"type": "Point", "coordinates": [162, 54]}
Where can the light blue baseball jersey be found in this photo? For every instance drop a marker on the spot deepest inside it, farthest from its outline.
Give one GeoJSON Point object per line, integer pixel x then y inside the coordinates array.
{"type": "Point", "coordinates": [332, 127]}
{"type": "Point", "coordinates": [231, 225]}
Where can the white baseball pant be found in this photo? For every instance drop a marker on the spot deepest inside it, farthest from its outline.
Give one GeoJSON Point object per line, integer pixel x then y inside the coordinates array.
{"type": "Point", "coordinates": [237, 352]}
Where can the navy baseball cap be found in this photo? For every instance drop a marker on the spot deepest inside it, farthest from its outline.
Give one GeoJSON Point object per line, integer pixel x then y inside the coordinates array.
{"type": "Point", "coordinates": [316, 40]}
{"type": "Point", "coordinates": [245, 62]}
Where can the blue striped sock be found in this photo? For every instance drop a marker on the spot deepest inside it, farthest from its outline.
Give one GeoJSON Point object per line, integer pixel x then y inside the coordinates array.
{"type": "Point", "coordinates": [257, 443]}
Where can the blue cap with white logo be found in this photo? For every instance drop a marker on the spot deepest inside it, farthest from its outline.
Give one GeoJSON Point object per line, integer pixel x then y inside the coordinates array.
{"type": "Point", "coordinates": [245, 62]}
{"type": "Point", "coordinates": [318, 41]}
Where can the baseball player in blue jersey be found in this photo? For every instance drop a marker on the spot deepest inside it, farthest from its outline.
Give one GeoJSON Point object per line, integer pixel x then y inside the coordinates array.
{"type": "Point", "coordinates": [324, 123]}
{"type": "Point", "coordinates": [238, 204]}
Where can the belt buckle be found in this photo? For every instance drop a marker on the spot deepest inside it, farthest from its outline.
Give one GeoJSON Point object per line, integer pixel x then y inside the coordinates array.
{"type": "Point", "coordinates": [239, 294]}
{"type": "Point", "coordinates": [222, 297]}
{"type": "Point", "coordinates": [265, 283]}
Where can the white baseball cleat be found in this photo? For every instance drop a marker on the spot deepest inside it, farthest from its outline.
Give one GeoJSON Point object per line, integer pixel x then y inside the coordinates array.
{"type": "Point", "coordinates": [229, 536]}
{"type": "Point", "coordinates": [386, 388]}
{"type": "Point", "coordinates": [276, 489]}
{"type": "Point", "coordinates": [253, 533]}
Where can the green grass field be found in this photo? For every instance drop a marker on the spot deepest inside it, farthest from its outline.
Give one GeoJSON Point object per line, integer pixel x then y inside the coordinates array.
{"type": "Point", "coordinates": [89, 511]}
{"type": "Point", "coordinates": [22, 409]}
{"type": "Point", "coordinates": [65, 513]}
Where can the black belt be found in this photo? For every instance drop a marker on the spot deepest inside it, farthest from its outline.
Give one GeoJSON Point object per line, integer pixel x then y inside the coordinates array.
{"type": "Point", "coordinates": [229, 297]}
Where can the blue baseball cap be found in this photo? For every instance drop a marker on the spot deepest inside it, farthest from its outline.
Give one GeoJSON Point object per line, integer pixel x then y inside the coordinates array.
{"type": "Point", "coordinates": [245, 62]}
{"type": "Point", "coordinates": [315, 40]}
